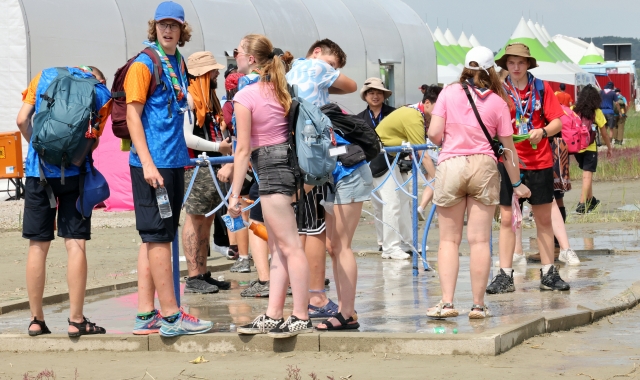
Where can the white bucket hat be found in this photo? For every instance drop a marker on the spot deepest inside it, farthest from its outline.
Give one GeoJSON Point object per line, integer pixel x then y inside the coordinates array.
{"type": "Point", "coordinates": [374, 83]}
{"type": "Point", "coordinates": [481, 55]}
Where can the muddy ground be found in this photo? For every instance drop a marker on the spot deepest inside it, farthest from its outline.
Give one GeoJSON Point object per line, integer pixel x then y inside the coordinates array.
{"type": "Point", "coordinates": [112, 251]}
{"type": "Point", "coordinates": [608, 349]}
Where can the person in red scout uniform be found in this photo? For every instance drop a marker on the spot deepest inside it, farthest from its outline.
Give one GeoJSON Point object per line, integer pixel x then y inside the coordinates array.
{"type": "Point", "coordinates": [536, 114]}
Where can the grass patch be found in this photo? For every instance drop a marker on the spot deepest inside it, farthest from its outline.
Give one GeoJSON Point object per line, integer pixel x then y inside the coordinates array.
{"type": "Point", "coordinates": [631, 217]}
{"type": "Point", "coordinates": [624, 162]}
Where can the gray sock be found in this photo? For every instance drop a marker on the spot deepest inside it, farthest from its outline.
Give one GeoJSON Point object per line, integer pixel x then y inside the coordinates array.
{"type": "Point", "coordinates": [508, 271]}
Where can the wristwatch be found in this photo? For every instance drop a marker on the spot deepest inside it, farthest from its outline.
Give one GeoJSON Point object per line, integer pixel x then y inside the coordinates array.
{"type": "Point", "coordinates": [544, 133]}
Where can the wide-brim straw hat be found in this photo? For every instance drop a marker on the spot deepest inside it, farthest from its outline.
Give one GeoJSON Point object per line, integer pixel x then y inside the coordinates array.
{"type": "Point", "coordinates": [376, 84]}
{"type": "Point", "coordinates": [202, 62]}
{"type": "Point", "coordinates": [517, 49]}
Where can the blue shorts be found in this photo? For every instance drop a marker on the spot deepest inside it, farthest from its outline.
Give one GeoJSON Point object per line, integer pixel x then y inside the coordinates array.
{"type": "Point", "coordinates": [356, 187]}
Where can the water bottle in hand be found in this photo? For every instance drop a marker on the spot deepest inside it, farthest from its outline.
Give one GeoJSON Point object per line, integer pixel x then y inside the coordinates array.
{"type": "Point", "coordinates": [163, 203]}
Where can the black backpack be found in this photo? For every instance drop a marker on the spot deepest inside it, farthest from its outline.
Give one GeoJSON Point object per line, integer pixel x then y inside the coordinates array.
{"type": "Point", "coordinates": [353, 129]}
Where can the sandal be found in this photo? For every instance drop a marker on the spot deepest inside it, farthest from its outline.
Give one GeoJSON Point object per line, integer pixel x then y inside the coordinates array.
{"type": "Point", "coordinates": [345, 324]}
{"type": "Point", "coordinates": [479, 312]}
{"type": "Point", "coordinates": [442, 310]}
{"type": "Point", "coordinates": [82, 328]}
{"type": "Point", "coordinates": [43, 328]}
{"type": "Point", "coordinates": [327, 311]}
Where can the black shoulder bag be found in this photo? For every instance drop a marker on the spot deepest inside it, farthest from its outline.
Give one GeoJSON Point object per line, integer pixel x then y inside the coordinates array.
{"type": "Point", "coordinates": [495, 145]}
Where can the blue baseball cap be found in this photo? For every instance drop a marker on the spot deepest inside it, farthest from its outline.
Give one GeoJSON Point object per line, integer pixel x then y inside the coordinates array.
{"type": "Point", "coordinates": [96, 191]}
{"type": "Point", "coordinates": [170, 10]}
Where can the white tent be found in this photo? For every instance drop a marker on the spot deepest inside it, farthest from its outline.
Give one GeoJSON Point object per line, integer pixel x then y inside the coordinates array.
{"type": "Point", "coordinates": [464, 42]}
{"type": "Point", "coordinates": [474, 41]}
{"type": "Point", "coordinates": [449, 68]}
{"type": "Point", "coordinates": [549, 68]}
{"type": "Point", "coordinates": [573, 47]}
{"type": "Point", "coordinates": [105, 33]}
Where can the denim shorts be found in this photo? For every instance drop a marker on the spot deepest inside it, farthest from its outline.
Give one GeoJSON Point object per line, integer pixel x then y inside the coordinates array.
{"type": "Point", "coordinates": [356, 187]}
{"type": "Point", "coordinates": [275, 170]}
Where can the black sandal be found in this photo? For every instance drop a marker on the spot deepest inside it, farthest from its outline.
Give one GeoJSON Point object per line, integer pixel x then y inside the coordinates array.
{"type": "Point", "coordinates": [43, 328]}
{"type": "Point", "coordinates": [345, 324]}
{"type": "Point", "coordinates": [82, 328]}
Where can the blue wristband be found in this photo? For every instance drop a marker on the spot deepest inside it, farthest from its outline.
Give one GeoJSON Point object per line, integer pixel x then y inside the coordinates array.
{"type": "Point", "coordinates": [514, 185]}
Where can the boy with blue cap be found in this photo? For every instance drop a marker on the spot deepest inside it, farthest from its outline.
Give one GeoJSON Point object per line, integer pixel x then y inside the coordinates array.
{"type": "Point", "coordinates": [157, 160]}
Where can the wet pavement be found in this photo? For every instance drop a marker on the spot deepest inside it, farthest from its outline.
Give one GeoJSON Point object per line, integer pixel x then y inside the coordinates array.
{"type": "Point", "coordinates": [389, 298]}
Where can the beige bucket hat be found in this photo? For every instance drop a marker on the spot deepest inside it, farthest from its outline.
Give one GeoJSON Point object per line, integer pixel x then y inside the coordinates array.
{"type": "Point", "coordinates": [519, 50]}
{"type": "Point", "coordinates": [202, 62]}
{"type": "Point", "coordinates": [374, 83]}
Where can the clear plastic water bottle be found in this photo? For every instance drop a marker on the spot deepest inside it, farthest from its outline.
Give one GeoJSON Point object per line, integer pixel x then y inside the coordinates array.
{"type": "Point", "coordinates": [309, 132]}
{"type": "Point", "coordinates": [163, 202]}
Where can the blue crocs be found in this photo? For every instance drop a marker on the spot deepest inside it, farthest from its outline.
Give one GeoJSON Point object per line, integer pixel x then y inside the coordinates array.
{"type": "Point", "coordinates": [327, 311]}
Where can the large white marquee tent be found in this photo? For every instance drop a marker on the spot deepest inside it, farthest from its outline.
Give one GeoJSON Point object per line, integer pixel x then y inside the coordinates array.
{"type": "Point", "coordinates": [379, 36]}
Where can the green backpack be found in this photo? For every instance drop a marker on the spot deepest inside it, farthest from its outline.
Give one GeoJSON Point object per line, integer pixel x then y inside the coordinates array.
{"type": "Point", "coordinates": [64, 117]}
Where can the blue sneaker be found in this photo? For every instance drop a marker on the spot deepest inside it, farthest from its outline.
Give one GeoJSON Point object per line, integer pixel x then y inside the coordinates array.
{"type": "Point", "coordinates": [327, 311]}
{"type": "Point", "coordinates": [148, 326]}
{"type": "Point", "coordinates": [186, 324]}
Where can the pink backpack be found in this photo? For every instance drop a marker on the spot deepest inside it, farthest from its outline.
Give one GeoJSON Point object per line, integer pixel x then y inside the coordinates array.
{"type": "Point", "coordinates": [576, 131]}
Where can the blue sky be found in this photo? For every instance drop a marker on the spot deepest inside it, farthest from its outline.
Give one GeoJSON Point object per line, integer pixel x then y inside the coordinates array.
{"type": "Point", "coordinates": [493, 21]}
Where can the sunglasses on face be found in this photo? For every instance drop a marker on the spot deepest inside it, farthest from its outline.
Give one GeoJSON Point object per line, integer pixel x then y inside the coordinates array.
{"type": "Point", "coordinates": [236, 53]}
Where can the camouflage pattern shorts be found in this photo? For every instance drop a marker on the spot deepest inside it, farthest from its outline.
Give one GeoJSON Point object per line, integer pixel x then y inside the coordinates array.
{"type": "Point", "coordinates": [203, 197]}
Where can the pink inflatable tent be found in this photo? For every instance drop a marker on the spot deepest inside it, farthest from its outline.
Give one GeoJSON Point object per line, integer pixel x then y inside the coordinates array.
{"type": "Point", "coordinates": [114, 165]}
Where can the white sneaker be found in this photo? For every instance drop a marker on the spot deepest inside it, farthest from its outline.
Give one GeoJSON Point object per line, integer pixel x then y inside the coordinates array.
{"type": "Point", "coordinates": [221, 250]}
{"type": "Point", "coordinates": [518, 259]}
{"type": "Point", "coordinates": [396, 255]}
{"type": "Point", "coordinates": [569, 256]}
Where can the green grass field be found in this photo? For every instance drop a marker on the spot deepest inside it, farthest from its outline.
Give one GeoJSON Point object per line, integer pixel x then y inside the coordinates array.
{"type": "Point", "coordinates": [625, 161]}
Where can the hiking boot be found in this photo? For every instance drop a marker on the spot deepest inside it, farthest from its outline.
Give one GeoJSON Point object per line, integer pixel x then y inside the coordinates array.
{"type": "Point", "coordinates": [197, 284]}
{"type": "Point", "coordinates": [291, 327]}
{"type": "Point", "coordinates": [260, 325]}
{"type": "Point", "coordinates": [502, 283]}
{"type": "Point", "coordinates": [256, 289]}
{"type": "Point", "coordinates": [149, 325]}
{"type": "Point", "coordinates": [222, 285]}
{"type": "Point", "coordinates": [552, 280]}
{"type": "Point", "coordinates": [593, 203]}
{"type": "Point", "coordinates": [569, 256]}
{"type": "Point", "coordinates": [185, 324]}
{"type": "Point", "coordinates": [241, 266]}
{"type": "Point", "coordinates": [581, 209]}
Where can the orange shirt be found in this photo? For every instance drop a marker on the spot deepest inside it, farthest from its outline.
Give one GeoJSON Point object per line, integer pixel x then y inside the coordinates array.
{"type": "Point", "coordinates": [136, 83]}
{"type": "Point", "coordinates": [564, 98]}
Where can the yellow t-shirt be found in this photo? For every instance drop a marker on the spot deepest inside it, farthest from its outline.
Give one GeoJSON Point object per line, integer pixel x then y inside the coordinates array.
{"type": "Point", "coordinates": [403, 124]}
{"type": "Point", "coordinates": [600, 121]}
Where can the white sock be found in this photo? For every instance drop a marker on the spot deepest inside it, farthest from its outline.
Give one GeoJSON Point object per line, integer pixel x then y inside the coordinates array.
{"type": "Point", "coordinates": [245, 257]}
{"type": "Point", "coordinates": [545, 268]}
{"type": "Point", "coordinates": [420, 209]}
{"type": "Point", "coordinates": [519, 254]}
{"type": "Point", "coordinates": [508, 271]}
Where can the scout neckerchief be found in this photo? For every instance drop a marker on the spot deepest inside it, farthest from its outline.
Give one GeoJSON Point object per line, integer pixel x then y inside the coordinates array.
{"type": "Point", "coordinates": [524, 106]}
{"type": "Point", "coordinates": [482, 93]}
{"type": "Point", "coordinates": [179, 89]}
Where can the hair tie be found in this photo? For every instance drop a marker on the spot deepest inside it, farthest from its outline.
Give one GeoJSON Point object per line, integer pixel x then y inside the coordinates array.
{"type": "Point", "coordinates": [272, 54]}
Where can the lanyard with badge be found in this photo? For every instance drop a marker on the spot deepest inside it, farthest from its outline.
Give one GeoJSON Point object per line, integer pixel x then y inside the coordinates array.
{"type": "Point", "coordinates": [524, 115]}
{"type": "Point", "coordinates": [375, 120]}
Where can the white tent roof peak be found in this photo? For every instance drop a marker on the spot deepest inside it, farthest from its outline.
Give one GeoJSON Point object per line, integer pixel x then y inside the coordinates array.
{"type": "Point", "coordinates": [545, 39]}
{"type": "Point", "coordinates": [546, 34]}
{"type": "Point", "coordinates": [439, 36]}
{"type": "Point", "coordinates": [523, 31]}
{"type": "Point", "coordinates": [464, 41]}
{"type": "Point", "coordinates": [533, 29]}
{"type": "Point", "coordinates": [450, 38]}
{"type": "Point", "coordinates": [474, 41]}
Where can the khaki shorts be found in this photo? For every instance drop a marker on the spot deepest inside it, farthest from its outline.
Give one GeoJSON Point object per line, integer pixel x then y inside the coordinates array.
{"type": "Point", "coordinates": [474, 176]}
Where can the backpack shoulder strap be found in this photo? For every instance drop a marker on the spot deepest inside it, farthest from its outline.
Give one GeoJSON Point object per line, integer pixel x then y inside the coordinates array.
{"type": "Point", "coordinates": [539, 85]}
{"type": "Point", "coordinates": [157, 67]}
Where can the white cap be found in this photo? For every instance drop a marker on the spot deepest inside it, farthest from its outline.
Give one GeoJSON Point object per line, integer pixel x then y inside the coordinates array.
{"type": "Point", "coordinates": [481, 55]}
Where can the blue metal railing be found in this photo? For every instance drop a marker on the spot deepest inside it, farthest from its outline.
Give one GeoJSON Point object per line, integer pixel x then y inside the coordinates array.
{"type": "Point", "coordinates": [210, 161]}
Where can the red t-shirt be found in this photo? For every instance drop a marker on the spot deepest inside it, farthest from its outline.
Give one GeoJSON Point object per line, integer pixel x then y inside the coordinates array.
{"type": "Point", "coordinates": [540, 158]}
